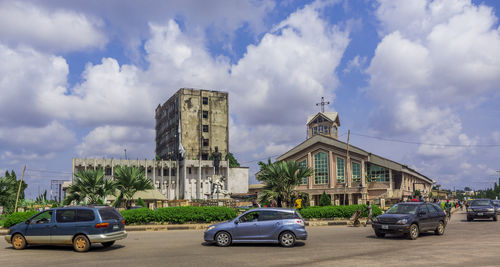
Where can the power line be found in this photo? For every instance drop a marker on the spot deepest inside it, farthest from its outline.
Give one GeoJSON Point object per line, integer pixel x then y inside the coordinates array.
{"type": "Point", "coordinates": [420, 143]}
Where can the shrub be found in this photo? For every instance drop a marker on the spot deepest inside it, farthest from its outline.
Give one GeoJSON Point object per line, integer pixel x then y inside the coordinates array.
{"type": "Point", "coordinates": [179, 215]}
{"type": "Point", "coordinates": [140, 202]}
{"type": "Point", "coordinates": [325, 200]}
{"type": "Point", "coordinates": [330, 212]}
{"type": "Point", "coordinates": [17, 217]}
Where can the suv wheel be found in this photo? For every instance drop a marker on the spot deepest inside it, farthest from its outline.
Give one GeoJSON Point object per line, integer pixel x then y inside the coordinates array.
{"type": "Point", "coordinates": [81, 243]}
{"type": "Point", "coordinates": [287, 239]}
{"type": "Point", "coordinates": [414, 232]}
{"type": "Point", "coordinates": [108, 244]}
{"type": "Point", "coordinates": [469, 218]}
{"type": "Point", "coordinates": [223, 239]}
{"type": "Point", "coordinates": [18, 241]}
{"type": "Point", "coordinates": [440, 229]}
{"type": "Point", "coordinates": [495, 218]}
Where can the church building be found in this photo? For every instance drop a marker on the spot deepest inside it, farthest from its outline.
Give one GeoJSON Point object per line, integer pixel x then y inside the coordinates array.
{"type": "Point", "coordinates": [350, 175]}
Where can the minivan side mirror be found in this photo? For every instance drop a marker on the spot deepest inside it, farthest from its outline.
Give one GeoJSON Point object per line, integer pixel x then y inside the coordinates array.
{"type": "Point", "coordinates": [27, 222]}
{"type": "Point", "coordinates": [236, 221]}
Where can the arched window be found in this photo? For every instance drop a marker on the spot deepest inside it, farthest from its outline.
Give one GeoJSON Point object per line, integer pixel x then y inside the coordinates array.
{"type": "Point", "coordinates": [321, 168]}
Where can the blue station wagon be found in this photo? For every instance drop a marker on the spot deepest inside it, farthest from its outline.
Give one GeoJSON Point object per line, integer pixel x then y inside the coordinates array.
{"type": "Point", "coordinates": [77, 226]}
{"type": "Point", "coordinates": [263, 225]}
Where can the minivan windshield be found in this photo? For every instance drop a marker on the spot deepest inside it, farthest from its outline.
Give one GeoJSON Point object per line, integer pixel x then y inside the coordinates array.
{"type": "Point", "coordinates": [402, 209]}
{"type": "Point", "coordinates": [484, 202]}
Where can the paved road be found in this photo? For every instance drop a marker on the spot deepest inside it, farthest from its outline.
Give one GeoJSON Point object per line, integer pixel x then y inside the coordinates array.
{"type": "Point", "coordinates": [464, 244]}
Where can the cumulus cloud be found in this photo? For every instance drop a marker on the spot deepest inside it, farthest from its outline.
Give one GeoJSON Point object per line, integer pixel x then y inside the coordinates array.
{"type": "Point", "coordinates": [109, 141]}
{"type": "Point", "coordinates": [434, 56]}
{"type": "Point", "coordinates": [53, 30]}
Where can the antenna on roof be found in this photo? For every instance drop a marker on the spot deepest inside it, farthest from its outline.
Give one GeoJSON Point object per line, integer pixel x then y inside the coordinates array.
{"type": "Point", "coordinates": [323, 103]}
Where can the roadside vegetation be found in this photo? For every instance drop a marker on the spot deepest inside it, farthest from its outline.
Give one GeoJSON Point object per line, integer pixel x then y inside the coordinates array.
{"type": "Point", "coordinates": [176, 215]}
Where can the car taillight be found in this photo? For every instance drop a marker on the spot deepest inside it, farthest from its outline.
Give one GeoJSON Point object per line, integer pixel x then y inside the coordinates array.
{"type": "Point", "coordinates": [101, 225]}
{"type": "Point", "coordinates": [123, 222]}
{"type": "Point", "coordinates": [300, 222]}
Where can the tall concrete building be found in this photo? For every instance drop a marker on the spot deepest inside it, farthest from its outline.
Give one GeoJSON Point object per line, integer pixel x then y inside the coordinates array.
{"type": "Point", "coordinates": [191, 124]}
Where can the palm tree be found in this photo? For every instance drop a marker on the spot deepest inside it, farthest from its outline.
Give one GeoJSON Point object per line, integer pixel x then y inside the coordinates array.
{"type": "Point", "coordinates": [91, 187]}
{"type": "Point", "coordinates": [129, 180]}
{"type": "Point", "coordinates": [281, 178]}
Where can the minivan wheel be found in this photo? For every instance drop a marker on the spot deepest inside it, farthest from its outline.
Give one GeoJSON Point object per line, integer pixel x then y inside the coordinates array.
{"type": "Point", "coordinates": [108, 244]}
{"type": "Point", "coordinates": [414, 232]}
{"type": "Point", "coordinates": [18, 241]}
{"type": "Point", "coordinates": [81, 243]}
{"type": "Point", "coordinates": [223, 239]}
{"type": "Point", "coordinates": [287, 239]}
{"type": "Point", "coordinates": [440, 229]}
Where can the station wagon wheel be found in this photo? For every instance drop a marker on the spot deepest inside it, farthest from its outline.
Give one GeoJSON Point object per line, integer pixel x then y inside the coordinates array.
{"type": "Point", "coordinates": [18, 241]}
{"type": "Point", "coordinates": [440, 229]}
{"type": "Point", "coordinates": [414, 232]}
{"type": "Point", "coordinates": [81, 243]}
{"type": "Point", "coordinates": [223, 239]}
{"type": "Point", "coordinates": [287, 239]}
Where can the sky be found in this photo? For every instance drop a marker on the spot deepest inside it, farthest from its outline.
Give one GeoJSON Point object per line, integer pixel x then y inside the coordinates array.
{"type": "Point", "coordinates": [415, 81]}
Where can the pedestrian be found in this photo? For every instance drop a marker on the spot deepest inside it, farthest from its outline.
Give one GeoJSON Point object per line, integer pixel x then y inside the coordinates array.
{"type": "Point", "coordinates": [370, 213]}
{"type": "Point", "coordinates": [298, 203]}
{"type": "Point", "coordinates": [273, 203]}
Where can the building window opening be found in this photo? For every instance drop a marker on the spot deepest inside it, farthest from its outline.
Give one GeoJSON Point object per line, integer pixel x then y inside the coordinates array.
{"type": "Point", "coordinates": [204, 156]}
{"type": "Point", "coordinates": [205, 100]}
{"type": "Point", "coordinates": [172, 172]}
{"type": "Point", "coordinates": [189, 170]}
{"type": "Point", "coordinates": [377, 173]}
{"type": "Point", "coordinates": [205, 128]}
{"type": "Point", "coordinates": [108, 171]}
{"type": "Point", "coordinates": [320, 168]}
{"type": "Point", "coordinates": [205, 114]}
{"type": "Point", "coordinates": [303, 164]}
{"type": "Point", "coordinates": [205, 142]}
{"type": "Point", "coordinates": [340, 171]}
{"type": "Point", "coordinates": [165, 172]}
{"type": "Point", "coordinates": [356, 172]}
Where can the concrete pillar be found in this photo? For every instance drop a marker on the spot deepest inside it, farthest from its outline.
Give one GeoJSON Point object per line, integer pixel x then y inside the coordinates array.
{"type": "Point", "coordinates": [154, 173]}
{"type": "Point", "coordinates": [390, 179]}
{"type": "Point", "coordinates": [311, 165]}
{"type": "Point", "coordinates": [363, 171]}
{"type": "Point", "coordinates": [331, 170]}
{"type": "Point", "coordinates": [169, 188]}
{"type": "Point", "coordinates": [198, 184]}
{"type": "Point", "coordinates": [177, 186]}
{"type": "Point", "coordinates": [349, 199]}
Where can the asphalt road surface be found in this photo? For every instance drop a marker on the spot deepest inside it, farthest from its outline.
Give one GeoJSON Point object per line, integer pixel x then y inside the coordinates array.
{"type": "Point", "coordinates": [464, 243]}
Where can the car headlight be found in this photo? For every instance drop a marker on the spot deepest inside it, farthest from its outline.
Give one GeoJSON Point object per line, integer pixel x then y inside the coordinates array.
{"type": "Point", "coordinates": [469, 210]}
{"type": "Point", "coordinates": [210, 227]}
{"type": "Point", "coordinates": [491, 209]}
{"type": "Point", "coordinates": [402, 221]}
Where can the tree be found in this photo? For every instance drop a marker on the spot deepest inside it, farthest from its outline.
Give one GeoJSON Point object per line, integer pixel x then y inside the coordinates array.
{"type": "Point", "coordinates": [281, 178]}
{"type": "Point", "coordinates": [128, 181]}
{"type": "Point", "coordinates": [233, 163]}
{"type": "Point", "coordinates": [9, 186]}
{"type": "Point", "coordinates": [89, 187]}
{"type": "Point", "coordinates": [140, 202]}
{"type": "Point", "coordinates": [325, 200]}
{"type": "Point", "coordinates": [467, 189]}
{"type": "Point", "coordinates": [417, 193]}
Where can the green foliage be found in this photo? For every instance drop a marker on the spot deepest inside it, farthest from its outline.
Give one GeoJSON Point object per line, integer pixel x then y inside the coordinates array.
{"type": "Point", "coordinates": [129, 180]}
{"type": "Point", "coordinates": [18, 217]}
{"type": "Point", "coordinates": [179, 215]}
{"type": "Point", "coordinates": [140, 202]}
{"type": "Point", "coordinates": [331, 212]}
{"type": "Point", "coordinates": [281, 178]}
{"type": "Point", "coordinates": [490, 193]}
{"type": "Point", "coordinates": [325, 200]}
{"type": "Point", "coordinates": [8, 191]}
{"type": "Point", "coordinates": [233, 162]}
{"type": "Point", "coordinates": [417, 193]}
{"type": "Point", "coordinates": [89, 187]}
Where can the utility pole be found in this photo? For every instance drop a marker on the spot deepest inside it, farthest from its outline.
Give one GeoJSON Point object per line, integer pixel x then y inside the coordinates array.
{"type": "Point", "coordinates": [125, 153]}
{"type": "Point", "coordinates": [19, 189]}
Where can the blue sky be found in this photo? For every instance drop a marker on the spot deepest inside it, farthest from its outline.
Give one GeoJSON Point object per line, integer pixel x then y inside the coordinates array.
{"type": "Point", "coordinates": [82, 79]}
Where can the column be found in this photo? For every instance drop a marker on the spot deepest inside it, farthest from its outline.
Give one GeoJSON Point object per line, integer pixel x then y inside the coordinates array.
{"type": "Point", "coordinates": [311, 165]}
{"type": "Point", "coordinates": [331, 170]}
{"type": "Point", "coordinates": [177, 186]}
{"type": "Point", "coordinates": [198, 184]}
{"type": "Point", "coordinates": [169, 179]}
{"type": "Point", "coordinates": [154, 173]}
{"type": "Point", "coordinates": [364, 196]}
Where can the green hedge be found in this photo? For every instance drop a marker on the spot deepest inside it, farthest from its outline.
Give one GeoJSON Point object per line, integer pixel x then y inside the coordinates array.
{"type": "Point", "coordinates": [179, 215]}
{"type": "Point", "coordinates": [18, 217]}
{"type": "Point", "coordinates": [330, 212]}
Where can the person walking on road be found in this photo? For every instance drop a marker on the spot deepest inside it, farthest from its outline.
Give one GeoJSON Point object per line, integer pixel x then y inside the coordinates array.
{"type": "Point", "coordinates": [447, 207]}
{"type": "Point", "coordinates": [370, 213]}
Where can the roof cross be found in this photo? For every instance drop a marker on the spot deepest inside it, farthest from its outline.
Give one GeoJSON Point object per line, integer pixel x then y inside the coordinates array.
{"type": "Point", "coordinates": [323, 103]}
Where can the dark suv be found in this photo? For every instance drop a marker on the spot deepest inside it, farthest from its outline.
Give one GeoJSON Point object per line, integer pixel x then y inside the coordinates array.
{"type": "Point", "coordinates": [77, 226]}
{"type": "Point", "coordinates": [410, 218]}
{"type": "Point", "coordinates": [482, 209]}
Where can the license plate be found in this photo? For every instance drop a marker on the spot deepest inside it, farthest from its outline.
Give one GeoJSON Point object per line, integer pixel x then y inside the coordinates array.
{"type": "Point", "coordinates": [385, 227]}
{"type": "Point", "coordinates": [480, 214]}
{"type": "Point", "coordinates": [115, 227]}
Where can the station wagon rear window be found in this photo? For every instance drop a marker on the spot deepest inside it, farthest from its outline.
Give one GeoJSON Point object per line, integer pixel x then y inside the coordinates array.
{"type": "Point", "coordinates": [109, 214]}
